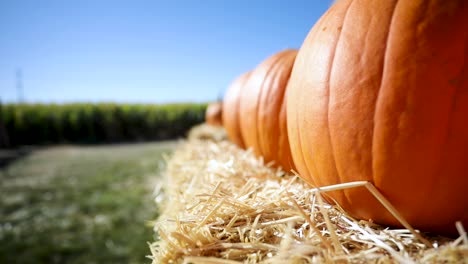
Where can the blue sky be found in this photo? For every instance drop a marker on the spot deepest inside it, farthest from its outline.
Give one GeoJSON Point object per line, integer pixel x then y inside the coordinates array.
{"type": "Point", "coordinates": [142, 51]}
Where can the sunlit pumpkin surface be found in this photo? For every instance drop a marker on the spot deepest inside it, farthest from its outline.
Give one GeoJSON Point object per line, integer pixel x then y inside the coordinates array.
{"type": "Point", "coordinates": [379, 92]}
{"type": "Point", "coordinates": [263, 109]}
{"type": "Point", "coordinates": [230, 109]}
{"type": "Point", "coordinates": [214, 114]}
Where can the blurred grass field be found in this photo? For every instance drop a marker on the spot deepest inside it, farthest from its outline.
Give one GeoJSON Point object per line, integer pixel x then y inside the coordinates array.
{"type": "Point", "coordinates": [80, 204]}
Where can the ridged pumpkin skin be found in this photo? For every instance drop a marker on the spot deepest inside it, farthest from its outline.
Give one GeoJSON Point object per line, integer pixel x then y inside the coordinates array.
{"type": "Point", "coordinates": [214, 114]}
{"type": "Point", "coordinates": [230, 109]}
{"type": "Point", "coordinates": [263, 109]}
{"type": "Point", "coordinates": [379, 92]}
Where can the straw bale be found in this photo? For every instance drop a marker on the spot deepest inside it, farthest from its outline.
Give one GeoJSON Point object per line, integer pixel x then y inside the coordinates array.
{"type": "Point", "coordinates": [221, 204]}
{"type": "Point", "coordinates": [207, 132]}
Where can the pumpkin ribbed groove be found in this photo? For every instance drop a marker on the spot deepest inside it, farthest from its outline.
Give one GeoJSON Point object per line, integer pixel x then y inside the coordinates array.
{"type": "Point", "coordinates": [329, 92]}
{"type": "Point", "coordinates": [263, 122]}
{"type": "Point", "coordinates": [273, 79]}
{"type": "Point", "coordinates": [302, 153]}
{"type": "Point", "coordinates": [387, 41]}
{"type": "Point", "coordinates": [268, 81]}
{"type": "Point", "coordinates": [284, 133]}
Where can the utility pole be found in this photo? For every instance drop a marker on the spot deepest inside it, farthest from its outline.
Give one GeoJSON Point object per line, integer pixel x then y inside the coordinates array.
{"type": "Point", "coordinates": [220, 96]}
{"type": "Point", "coordinates": [4, 139]}
{"type": "Point", "coordinates": [19, 85]}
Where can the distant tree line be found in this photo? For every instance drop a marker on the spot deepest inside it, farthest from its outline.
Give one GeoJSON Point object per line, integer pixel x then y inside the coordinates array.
{"type": "Point", "coordinates": [32, 124]}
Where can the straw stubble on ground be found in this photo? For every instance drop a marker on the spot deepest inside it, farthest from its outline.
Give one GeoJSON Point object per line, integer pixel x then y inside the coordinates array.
{"type": "Point", "coordinates": [220, 204]}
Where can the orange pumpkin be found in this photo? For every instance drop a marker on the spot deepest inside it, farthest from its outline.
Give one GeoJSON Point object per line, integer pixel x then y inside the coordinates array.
{"type": "Point", "coordinates": [214, 114]}
{"type": "Point", "coordinates": [263, 109]}
{"type": "Point", "coordinates": [230, 109]}
{"type": "Point", "coordinates": [379, 92]}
